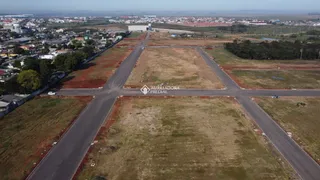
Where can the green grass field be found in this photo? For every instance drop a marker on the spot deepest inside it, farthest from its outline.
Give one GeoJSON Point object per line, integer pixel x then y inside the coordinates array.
{"type": "Point", "coordinates": [274, 79]}
{"type": "Point", "coordinates": [182, 138]}
{"type": "Point", "coordinates": [266, 30]}
{"type": "Point", "coordinates": [224, 57]}
{"type": "Point", "coordinates": [28, 130]}
{"type": "Point", "coordinates": [303, 122]}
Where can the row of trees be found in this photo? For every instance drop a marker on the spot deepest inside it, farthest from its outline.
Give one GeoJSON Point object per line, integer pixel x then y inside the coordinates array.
{"type": "Point", "coordinates": [238, 28]}
{"type": "Point", "coordinates": [274, 50]}
{"type": "Point", "coordinates": [313, 32]}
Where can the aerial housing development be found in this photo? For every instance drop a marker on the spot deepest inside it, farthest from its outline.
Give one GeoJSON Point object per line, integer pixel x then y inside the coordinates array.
{"type": "Point", "coordinates": [159, 95]}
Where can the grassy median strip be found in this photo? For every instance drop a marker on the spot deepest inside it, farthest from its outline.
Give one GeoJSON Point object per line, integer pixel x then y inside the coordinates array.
{"type": "Point", "coordinates": [30, 129]}
{"type": "Point", "coordinates": [277, 79]}
{"type": "Point", "coordinates": [182, 138]}
{"type": "Point", "coordinates": [297, 115]}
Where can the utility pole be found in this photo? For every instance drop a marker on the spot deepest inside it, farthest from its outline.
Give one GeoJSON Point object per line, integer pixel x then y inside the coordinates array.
{"type": "Point", "coordinates": [301, 51]}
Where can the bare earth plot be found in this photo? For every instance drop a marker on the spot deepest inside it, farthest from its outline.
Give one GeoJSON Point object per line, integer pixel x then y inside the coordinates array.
{"type": "Point", "coordinates": [181, 138]}
{"type": "Point", "coordinates": [26, 134]}
{"type": "Point", "coordinates": [175, 67]}
{"type": "Point", "coordinates": [159, 35]}
{"type": "Point", "coordinates": [302, 121]}
{"type": "Point", "coordinates": [134, 39]}
{"type": "Point", "coordinates": [276, 79]}
{"type": "Point", "coordinates": [128, 43]}
{"type": "Point", "coordinates": [187, 42]}
{"type": "Point", "coordinates": [109, 27]}
{"type": "Point", "coordinates": [95, 73]}
{"type": "Point", "coordinates": [230, 61]}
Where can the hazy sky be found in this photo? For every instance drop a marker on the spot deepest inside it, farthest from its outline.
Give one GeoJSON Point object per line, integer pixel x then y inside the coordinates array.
{"type": "Point", "coordinates": [13, 5]}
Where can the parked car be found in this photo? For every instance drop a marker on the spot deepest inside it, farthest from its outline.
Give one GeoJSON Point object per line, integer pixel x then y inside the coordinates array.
{"type": "Point", "coordinates": [51, 93]}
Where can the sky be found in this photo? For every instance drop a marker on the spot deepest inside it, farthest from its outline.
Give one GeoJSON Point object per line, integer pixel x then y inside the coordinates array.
{"type": "Point", "coordinates": [159, 5]}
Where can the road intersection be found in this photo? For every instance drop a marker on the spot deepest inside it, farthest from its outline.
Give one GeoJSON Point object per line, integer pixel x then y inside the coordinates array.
{"type": "Point", "coordinates": [63, 159]}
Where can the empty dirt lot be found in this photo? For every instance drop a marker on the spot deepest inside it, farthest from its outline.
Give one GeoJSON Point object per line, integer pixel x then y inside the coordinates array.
{"type": "Point", "coordinates": [26, 134]}
{"type": "Point", "coordinates": [128, 43]}
{"type": "Point", "coordinates": [277, 79]}
{"type": "Point", "coordinates": [302, 121]}
{"type": "Point", "coordinates": [187, 42]}
{"type": "Point", "coordinates": [95, 73]}
{"type": "Point", "coordinates": [181, 138]}
{"type": "Point", "coordinates": [175, 67]}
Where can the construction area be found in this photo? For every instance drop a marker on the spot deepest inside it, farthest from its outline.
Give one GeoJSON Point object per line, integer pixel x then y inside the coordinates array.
{"type": "Point", "coordinates": [173, 67]}
{"type": "Point", "coordinates": [170, 39]}
{"type": "Point", "coordinates": [181, 138]}
{"type": "Point", "coordinates": [210, 127]}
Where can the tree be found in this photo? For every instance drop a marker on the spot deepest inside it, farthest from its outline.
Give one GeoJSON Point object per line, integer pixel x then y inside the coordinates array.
{"type": "Point", "coordinates": [32, 63]}
{"type": "Point", "coordinates": [59, 62]}
{"type": "Point", "coordinates": [29, 80]}
{"type": "Point", "coordinates": [70, 63]}
{"type": "Point", "coordinates": [90, 42]}
{"type": "Point", "coordinates": [17, 64]}
{"type": "Point", "coordinates": [77, 44]}
{"type": "Point", "coordinates": [45, 49]}
{"type": "Point", "coordinates": [14, 34]}
{"type": "Point", "coordinates": [12, 86]}
{"type": "Point", "coordinates": [45, 71]}
{"type": "Point", "coordinates": [88, 50]}
{"type": "Point", "coordinates": [18, 50]}
{"type": "Point", "coordinates": [79, 56]}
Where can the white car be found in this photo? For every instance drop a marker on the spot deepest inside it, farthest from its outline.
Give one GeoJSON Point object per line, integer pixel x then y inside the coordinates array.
{"type": "Point", "coordinates": [51, 93]}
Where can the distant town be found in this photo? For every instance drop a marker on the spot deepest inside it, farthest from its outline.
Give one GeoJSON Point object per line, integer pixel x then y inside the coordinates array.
{"type": "Point", "coordinates": [159, 97]}
{"type": "Point", "coordinates": [26, 40]}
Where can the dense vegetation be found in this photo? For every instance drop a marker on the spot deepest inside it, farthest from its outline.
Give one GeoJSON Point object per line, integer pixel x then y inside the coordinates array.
{"type": "Point", "coordinates": [274, 50]}
{"type": "Point", "coordinates": [313, 32]}
{"type": "Point", "coordinates": [36, 73]}
{"type": "Point", "coordinates": [259, 30]}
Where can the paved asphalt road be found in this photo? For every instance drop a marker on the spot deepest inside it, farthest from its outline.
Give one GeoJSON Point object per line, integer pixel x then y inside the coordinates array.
{"type": "Point", "coordinates": [63, 159]}
{"type": "Point", "coordinates": [304, 165]}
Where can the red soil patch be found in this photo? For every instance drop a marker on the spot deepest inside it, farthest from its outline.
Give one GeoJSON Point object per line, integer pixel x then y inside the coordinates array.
{"type": "Point", "coordinates": [141, 37]}
{"type": "Point", "coordinates": [128, 43]}
{"type": "Point", "coordinates": [45, 147]}
{"type": "Point", "coordinates": [100, 70]}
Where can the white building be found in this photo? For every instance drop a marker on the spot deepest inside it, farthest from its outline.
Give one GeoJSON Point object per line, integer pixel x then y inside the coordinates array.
{"type": "Point", "coordinates": [48, 56]}
{"type": "Point", "coordinates": [139, 27]}
{"type": "Point", "coordinates": [13, 27]}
